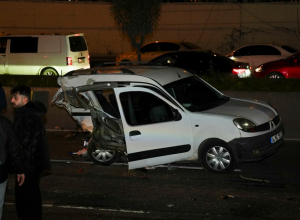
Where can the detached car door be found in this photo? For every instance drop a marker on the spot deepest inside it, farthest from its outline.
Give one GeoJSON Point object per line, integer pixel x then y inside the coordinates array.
{"type": "Point", "coordinates": [68, 100]}
{"type": "Point", "coordinates": [156, 130]}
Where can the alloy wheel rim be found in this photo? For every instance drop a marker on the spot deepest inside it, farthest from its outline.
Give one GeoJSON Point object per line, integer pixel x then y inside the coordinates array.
{"type": "Point", "coordinates": [275, 77]}
{"type": "Point", "coordinates": [218, 158]}
{"type": "Point", "coordinates": [103, 155]}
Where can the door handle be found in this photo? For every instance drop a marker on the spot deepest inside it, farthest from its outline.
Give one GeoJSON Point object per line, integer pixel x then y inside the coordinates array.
{"type": "Point", "coordinates": [134, 133]}
{"type": "Point", "coordinates": [3, 55]}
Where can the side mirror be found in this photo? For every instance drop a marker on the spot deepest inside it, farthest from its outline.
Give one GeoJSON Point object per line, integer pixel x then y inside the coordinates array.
{"type": "Point", "coordinates": [176, 115]}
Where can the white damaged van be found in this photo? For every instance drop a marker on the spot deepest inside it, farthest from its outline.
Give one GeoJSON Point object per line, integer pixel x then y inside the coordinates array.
{"type": "Point", "coordinates": [43, 54]}
{"type": "Point", "coordinates": [159, 115]}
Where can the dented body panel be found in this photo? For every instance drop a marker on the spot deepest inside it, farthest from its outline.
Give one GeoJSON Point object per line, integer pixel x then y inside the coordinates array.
{"type": "Point", "coordinates": [142, 111]}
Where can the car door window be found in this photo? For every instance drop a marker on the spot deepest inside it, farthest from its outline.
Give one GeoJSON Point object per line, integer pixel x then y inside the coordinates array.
{"type": "Point", "coordinates": [196, 63]}
{"type": "Point", "coordinates": [144, 108]}
{"type": "Point", "coordinates": [256, 50]}
{"type": "Point", "coordinates": [24, 45]}
{"type": "Point", "coordinates": [149, 48]}
{"type": "Point", "coordinates": [245, 51]}
{"type": "Point", "coordinates": [165, 46]}
{"type": "Point", "coordinates": [267, 50]}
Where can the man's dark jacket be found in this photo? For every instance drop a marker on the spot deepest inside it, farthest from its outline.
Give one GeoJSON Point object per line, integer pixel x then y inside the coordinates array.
{"type": "Point", "coordinates": [12, 154]}
{"type": "Point", "coordinates": [29, 127]}
{"type": "Point", "coordinates": [3, 102]}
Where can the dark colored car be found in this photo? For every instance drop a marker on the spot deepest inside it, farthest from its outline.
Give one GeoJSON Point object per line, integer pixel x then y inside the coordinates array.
{"type": "Point", "coordinates": [203, 62]}
{"type": "Point", "coordinates": [284, 68]}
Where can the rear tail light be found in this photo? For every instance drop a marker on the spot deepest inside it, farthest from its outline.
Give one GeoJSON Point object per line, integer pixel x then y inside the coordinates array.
{"type": "Point", "coordinates": [89, 58]}
{"type": "Point", "coordinates": [69, 61]}
{"type": "Point", "coordinates": [241, 72]}
{"type": "Point", "coordinates": [238, 71]}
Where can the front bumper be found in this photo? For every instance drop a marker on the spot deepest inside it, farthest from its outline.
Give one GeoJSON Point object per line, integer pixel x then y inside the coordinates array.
{"type": "Point", "coordinates": [256, 148]}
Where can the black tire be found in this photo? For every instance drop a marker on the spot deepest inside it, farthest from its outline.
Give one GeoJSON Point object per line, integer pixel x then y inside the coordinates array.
{"type": "Point", "coordinates": [217, 157]}
{"type": "Point", "coordinates": [101, 156]}
{"type": "Point", "coordinates": [125, 63]}
{"type": "Point", "coordinates": [49, 72]}
{"type": "Point", "coordinates": [275, 75]}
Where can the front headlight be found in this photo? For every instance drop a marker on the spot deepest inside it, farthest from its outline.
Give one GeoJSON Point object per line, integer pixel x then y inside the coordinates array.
{"type": "Point", "coordinates": [245, 125]}
{"type": "Point", "coordinates": [259, 69]}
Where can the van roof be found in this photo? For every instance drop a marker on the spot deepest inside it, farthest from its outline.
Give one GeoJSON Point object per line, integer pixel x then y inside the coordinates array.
{"type": "Point", "coordinates": [35, 35]}
{"type": "Point", "coordinates": [161, 74]}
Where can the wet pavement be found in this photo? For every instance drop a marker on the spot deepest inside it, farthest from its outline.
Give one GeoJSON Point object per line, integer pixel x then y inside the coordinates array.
{"type": "Point", "coordinates": [77, 189]}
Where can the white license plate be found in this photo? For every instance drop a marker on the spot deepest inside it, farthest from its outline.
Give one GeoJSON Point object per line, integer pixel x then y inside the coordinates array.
{"type": "Point", "coordinates": [81, 60]}
{"type": "Point", "coordinates": [276, 137]}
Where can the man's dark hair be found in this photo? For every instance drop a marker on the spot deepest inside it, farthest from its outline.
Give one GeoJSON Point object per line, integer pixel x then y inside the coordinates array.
{"type": "Point", "coordinates": [22, 90]}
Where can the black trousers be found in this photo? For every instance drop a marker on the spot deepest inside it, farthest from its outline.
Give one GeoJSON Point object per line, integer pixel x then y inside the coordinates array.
{"type": "Point", "coordinates": [28, 197]}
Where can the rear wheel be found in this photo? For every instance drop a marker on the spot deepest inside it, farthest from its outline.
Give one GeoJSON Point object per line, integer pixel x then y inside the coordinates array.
{"type": "Point", "coordinates": [275, 75]}
{"type": "Point", "coordinates": [49, 72]}
{"type": "Point", "coordinates": [217, 157]}
{"type": "Point", "coordinates": [126, 63]}
{"type": "Point", "coordinates": [101, 156]}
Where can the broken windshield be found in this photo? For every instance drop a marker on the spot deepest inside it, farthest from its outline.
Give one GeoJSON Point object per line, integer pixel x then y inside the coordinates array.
{"type": "Point", "coordinates": [195, 95]}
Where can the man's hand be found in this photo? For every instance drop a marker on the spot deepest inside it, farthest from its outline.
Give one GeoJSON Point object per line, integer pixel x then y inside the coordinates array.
{"type": "Point", "coordinates": [20, 179]}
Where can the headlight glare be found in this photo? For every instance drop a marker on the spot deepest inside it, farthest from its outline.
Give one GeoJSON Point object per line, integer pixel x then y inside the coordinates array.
{"type": "Point", "coordinates": [259, 69]}
{"type": "Point", "coordinates": [245, 125]}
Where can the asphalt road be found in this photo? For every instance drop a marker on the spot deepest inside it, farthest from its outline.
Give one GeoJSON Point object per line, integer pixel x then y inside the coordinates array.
{"type": "Point", "coordinates": [77, 189]}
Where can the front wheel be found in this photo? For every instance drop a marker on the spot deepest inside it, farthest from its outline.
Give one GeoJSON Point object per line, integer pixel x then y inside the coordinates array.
{"type": "Point", "coordinates": [101, 156]}
{"type": "Point", "coordinates": [217, 157]}
{"type": "Point", "coordinates": [49, 72]}
{"type": "Point", "coordinates": [275, 76]}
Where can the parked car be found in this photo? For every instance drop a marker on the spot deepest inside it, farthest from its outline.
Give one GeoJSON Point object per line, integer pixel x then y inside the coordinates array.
{"type": "Point", "coordinates": [159, 115]}
{"type": "Point", "coordinates": [154, 49]}
{"type": "Point", "coordinates": [43, 54]}
{"type": "Point", "coordinates": [284, 68]}
{"type": "Point", "coordinates": [203, 62]}
{"type": "Point", "coordinates": [258, 54]}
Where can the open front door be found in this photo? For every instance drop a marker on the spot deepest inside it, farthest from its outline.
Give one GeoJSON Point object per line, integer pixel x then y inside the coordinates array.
{"type": "Point", "coordinates": [156, 131]}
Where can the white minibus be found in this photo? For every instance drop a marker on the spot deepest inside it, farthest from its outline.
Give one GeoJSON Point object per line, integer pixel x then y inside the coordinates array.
{"type": "Point", "coordinates": [43, 54]}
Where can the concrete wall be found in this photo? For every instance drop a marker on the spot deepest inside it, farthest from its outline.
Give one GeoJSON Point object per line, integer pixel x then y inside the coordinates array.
{"type": "Point", "coordinates": [286, 103]}
{"type": "Point", "coordinates": [220, 27]}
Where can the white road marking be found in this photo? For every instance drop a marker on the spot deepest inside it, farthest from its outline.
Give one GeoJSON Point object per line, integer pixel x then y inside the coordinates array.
{"type": "Point", "coordinates": [102, 209]}
{"type": "Point", "coordinates": [86, 208]}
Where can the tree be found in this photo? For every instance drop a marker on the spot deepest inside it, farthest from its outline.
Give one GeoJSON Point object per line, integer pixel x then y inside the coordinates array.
{"type": "Point", "coordinates": [136, 18]}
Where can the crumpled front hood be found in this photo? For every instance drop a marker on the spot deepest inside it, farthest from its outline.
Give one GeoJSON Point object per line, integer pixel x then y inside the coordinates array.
{"type": "Point", "coordinates": [257, 111]}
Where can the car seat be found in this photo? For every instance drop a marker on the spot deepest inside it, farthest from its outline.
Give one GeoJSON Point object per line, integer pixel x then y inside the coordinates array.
{"type": "Point", "coordinates": [159, 113]}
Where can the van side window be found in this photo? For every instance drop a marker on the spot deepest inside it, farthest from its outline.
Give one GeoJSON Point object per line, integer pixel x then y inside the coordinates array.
{"type": "Point", "coordinates": [77, 44]}
{"type": "Point", "coordinates": [3, 42]}
{"type": "Point", "coordinates": [23, 45]}
{"type": "Point", "coordinates": [144, 108]}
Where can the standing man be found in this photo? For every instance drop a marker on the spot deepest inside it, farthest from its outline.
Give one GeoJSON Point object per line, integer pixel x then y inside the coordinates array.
{"type": "Point", "coordinates": [10, 152]}
{"type": "Point", "coordinates": [3, 104]}
{"type": "Point", "coordinates": [31, 133]}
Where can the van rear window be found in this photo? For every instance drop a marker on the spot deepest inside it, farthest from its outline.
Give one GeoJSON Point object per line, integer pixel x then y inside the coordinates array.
{"type": "Point", "coordinates": [77, 44]}
{"type": "Point", "coordinates": [24, 45]}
